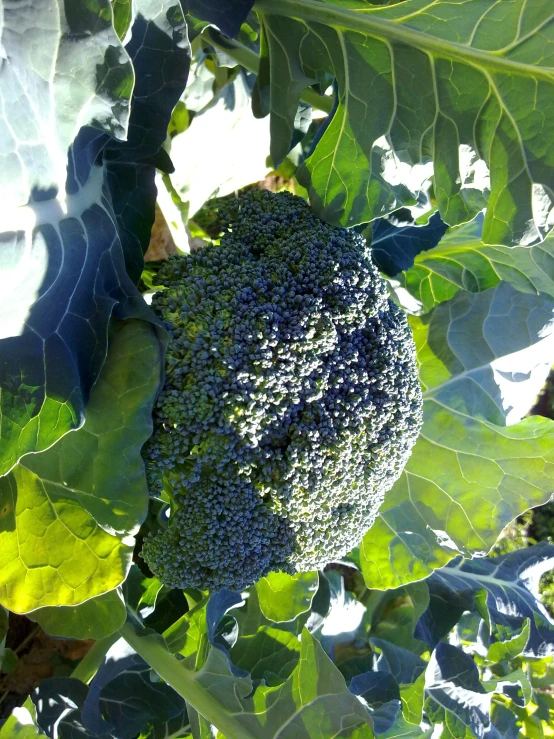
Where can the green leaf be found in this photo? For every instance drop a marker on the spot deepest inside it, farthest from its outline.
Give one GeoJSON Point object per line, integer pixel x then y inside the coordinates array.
{"type": "Point", "coordinates": [94, 619]}
{"type": "Point", "coordinates": [283, 597]}
{"type": "Point", "coordinates": [403, 729]}
{"type": "Point", "coordinates": [68, 514]}
{"type": "Point", "coordinates": [462, 262]}
{"type": "Point", "coordinates": [21, 724]}
{"type": "Point", "coordinates": [487, 354]}
{"type": "Point", "coordinates": [313, 703]}
{"type": "Point", "coordinates": [499, 651]}
{"type": "Point", "coordinates": [468, 85]}
{"type": "Point", "coordinates": [411, 697]}
{"type": "Point", "coordinates": [122, 13]}
{"type": "Point", "coordinates": [469, 474]}
{"type": "Point", "coordinates": [268, 651]}
{"type": "Point", "coordinates": [395, 613]}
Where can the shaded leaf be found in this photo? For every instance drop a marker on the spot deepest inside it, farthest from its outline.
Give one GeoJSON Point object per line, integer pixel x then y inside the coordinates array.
{"type": "Point", "coordinates": [385, 717]}
{"type": "Point", "coordinates": [376, 688]}
{"type": "Point", "coordinates": [395, 246]}
{"type": "Point", "coordinates": [408, 671]}
{"type": "Point", "coordinates": [58, 704]}
{"type": "Point", "coordinates": [227, 17]}
{"type": "Point", "coordinates": [502, 589]}
{"type": "Point", "coordinates": [403, 665]}
{"type": "Point", "coordinates": [455, 696]}
{"type": "Point", "coordinates": [158, 42]}
{"type": "Point", "coordinates": [122, 699]}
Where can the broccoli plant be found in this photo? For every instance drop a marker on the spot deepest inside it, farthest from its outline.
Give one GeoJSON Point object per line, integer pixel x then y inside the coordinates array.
{"type": "Point", "coordinates": [260, 480]}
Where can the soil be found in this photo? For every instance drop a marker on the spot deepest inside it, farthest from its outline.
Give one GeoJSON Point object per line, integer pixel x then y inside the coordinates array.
{"type": "Point", "coordinates": [40, 657]}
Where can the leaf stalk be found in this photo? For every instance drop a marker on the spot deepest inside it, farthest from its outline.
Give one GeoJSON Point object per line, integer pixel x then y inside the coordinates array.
{"type": "Point", "coordinates": [151, 648]}
{"type": "Point", "coordinates": [250, 61]}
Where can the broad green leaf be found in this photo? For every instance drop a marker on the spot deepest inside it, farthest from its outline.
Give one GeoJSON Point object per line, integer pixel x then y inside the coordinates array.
{"type": "Point", "coordinates": [412, 696]}
{"type": "Point", "coordinates": [77, 195]}
{"type": "Point", "coordinates": [122, 13]}
{"type": "Point", "coordinates": [283, 597]}
{"type": "Point", "coordinates": [487, 354]}
{"type": "Point", "coordinates": [462, 262]}
{"type": "Point", "coordinates": [313, 703]}
{"type": "Point", "coordinates": [466, 85]}
{"type": "Point", "coordinates": [481, 357]}
{"type": "Point", "coordinates": [68, 514]}
{"type": "Point", "coordinates": [395, 613]}
{"type": "Point", "coordinates": [94, 619]}
{"type": "Point", "coordinates": [188, 636]}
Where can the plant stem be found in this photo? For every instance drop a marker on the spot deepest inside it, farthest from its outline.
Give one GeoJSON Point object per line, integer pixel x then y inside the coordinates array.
{"type": "Point", "coordinates": [87, 667]}
{"type": "Point", "coordinates": [182, 680]}
{"type": "Point", "coordinates": [31, 635]}
{"type": "Point", "coordinates": [249, 60]}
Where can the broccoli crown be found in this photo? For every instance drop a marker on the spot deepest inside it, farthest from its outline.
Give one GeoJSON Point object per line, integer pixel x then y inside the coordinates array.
{"type": "Point", "coordinates": [291, 401]}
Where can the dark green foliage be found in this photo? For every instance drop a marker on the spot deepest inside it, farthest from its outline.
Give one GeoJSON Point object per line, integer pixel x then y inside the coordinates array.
{"type": "Point", "coordinates": [291, 400]}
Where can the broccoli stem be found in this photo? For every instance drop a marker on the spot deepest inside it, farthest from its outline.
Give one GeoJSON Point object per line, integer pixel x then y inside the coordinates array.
{"type": "Point", "coordinates": [250, 61]}
{"type": "Point", "coordinates": [88, 666]}
{"type": "Point", "coordinates": [151, 648]}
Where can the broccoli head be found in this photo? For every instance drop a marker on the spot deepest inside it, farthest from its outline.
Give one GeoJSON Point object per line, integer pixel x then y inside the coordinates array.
{"type": "Point", "coordinates": [291, 400]}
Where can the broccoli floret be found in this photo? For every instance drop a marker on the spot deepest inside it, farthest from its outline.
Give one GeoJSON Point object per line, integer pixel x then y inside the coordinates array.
{"type": "Point", "coordinates": [291, 401]}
